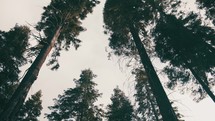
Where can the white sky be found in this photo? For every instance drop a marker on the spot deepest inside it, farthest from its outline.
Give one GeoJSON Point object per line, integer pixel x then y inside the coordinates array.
{"type": "Point", "coordinates": [91, 55]}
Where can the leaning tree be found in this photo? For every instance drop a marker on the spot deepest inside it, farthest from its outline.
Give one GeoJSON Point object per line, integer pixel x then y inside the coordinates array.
{"type": "Point", "coordinates": [186, 44]}
{"type": "Point", "coordinates": [60, 24]}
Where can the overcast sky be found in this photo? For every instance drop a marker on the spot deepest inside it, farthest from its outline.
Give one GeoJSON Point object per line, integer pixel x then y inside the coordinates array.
{"type": "Point", "coordinates": [91, 55]}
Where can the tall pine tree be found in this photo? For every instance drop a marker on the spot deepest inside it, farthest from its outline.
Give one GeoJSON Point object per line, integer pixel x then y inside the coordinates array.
{"type": "Point", "coordinates": [60, 24]}
{"type": "Point", "coordinates": [120, 108]}
{"type": "Point", "coordinates": [124, 19]}
{"type": "Point", "coordinates": [147, 108]}
{"type": "Point", "coordinates": [78, 103]}
{"type": "Point", "coordinates": [186, 44]}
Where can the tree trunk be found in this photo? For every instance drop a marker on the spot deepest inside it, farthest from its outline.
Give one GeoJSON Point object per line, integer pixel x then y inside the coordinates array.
{"type": "Point", "coordinates": [14, 113]}
{"type": "Point", "coordinates": [163, 102]}
{"type": "Point", "coordinates": [28, 80]}
{"type": "Point", "coordinates": [199, 79]}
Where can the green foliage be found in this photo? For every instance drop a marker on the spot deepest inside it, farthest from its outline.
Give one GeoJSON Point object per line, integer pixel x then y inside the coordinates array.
{"type": "Point", "coordinates": [66, 14]}
{"type": "Point", "coordinates": [13, 45]}
{"type": "Point", "coordinates": [125, 13]}
{"type": "Point", "coordinates": [120, 108]}
{"type": "Point", "coordinates": [209, 6]}
{"type": "Point", "coordinates": [78, 103]}
{"type": "Point", "coordinates": [31, 109]}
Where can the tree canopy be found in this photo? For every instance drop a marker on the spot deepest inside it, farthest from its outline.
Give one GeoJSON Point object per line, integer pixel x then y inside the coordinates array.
{"type": "Point", "coordinates": [67, 15]}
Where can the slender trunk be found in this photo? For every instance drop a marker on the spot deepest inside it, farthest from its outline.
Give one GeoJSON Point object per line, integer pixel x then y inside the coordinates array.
{"type": "Point", "coordinates": [202, 83]}
{"type": "Point", "coordinates": [163, 102]}
{"type": "Point", "coordinates": [28, 80]}
{"type": "Point", "coordinates": [199, 79]}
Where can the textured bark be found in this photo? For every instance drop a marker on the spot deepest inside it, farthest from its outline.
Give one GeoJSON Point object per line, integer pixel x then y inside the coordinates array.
{"type": "Point", "coordinates": [28, 80]}
{"type": "Point", "coordinates": [163, 102]}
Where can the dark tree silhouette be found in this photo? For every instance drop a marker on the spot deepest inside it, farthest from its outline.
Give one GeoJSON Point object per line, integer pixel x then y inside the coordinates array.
{"type": "Point", "coordinates": [120, 108]}
{"type": "Point", "coordinates": [31, 109]}
{"type": "Point", "coordinates": [78, 103]}
{"type": "Point", "coordinates": [13, 45]}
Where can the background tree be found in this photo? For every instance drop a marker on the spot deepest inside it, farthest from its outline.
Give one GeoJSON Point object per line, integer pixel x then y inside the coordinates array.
{"type": "Point", "coordinates": [147, 108]}
{"type": "Point", "coordinates": [78, 103]}
{"type": "Point", "coordinates": [120, 108]}
{"type": "Point", "coordinates": [124, 19]}
{"type": "Point", "coordinates": [31, 109]}
{"type": "Point", "coordinates": [195, 61]}
{"type": "Point", "coordinates": [13, 46]}
{"type": "Point", "coordinates": [60, 24]}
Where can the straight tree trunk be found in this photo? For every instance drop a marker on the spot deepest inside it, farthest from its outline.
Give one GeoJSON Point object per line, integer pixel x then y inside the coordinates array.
{"type": "Point", "coordinates": [28, 80]}
{"type": "Point", "coordinates": [199, 79]}
{"type": "Point", "coordinates": [163, 102]}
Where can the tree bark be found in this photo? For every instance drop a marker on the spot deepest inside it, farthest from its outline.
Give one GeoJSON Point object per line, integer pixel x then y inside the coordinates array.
{"type": "Point", "coordinates": [14, 113]}
{"type": "Point", "coordinates": [163, 102]}
{"type": "Point", "coordinates": [28, 80]}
